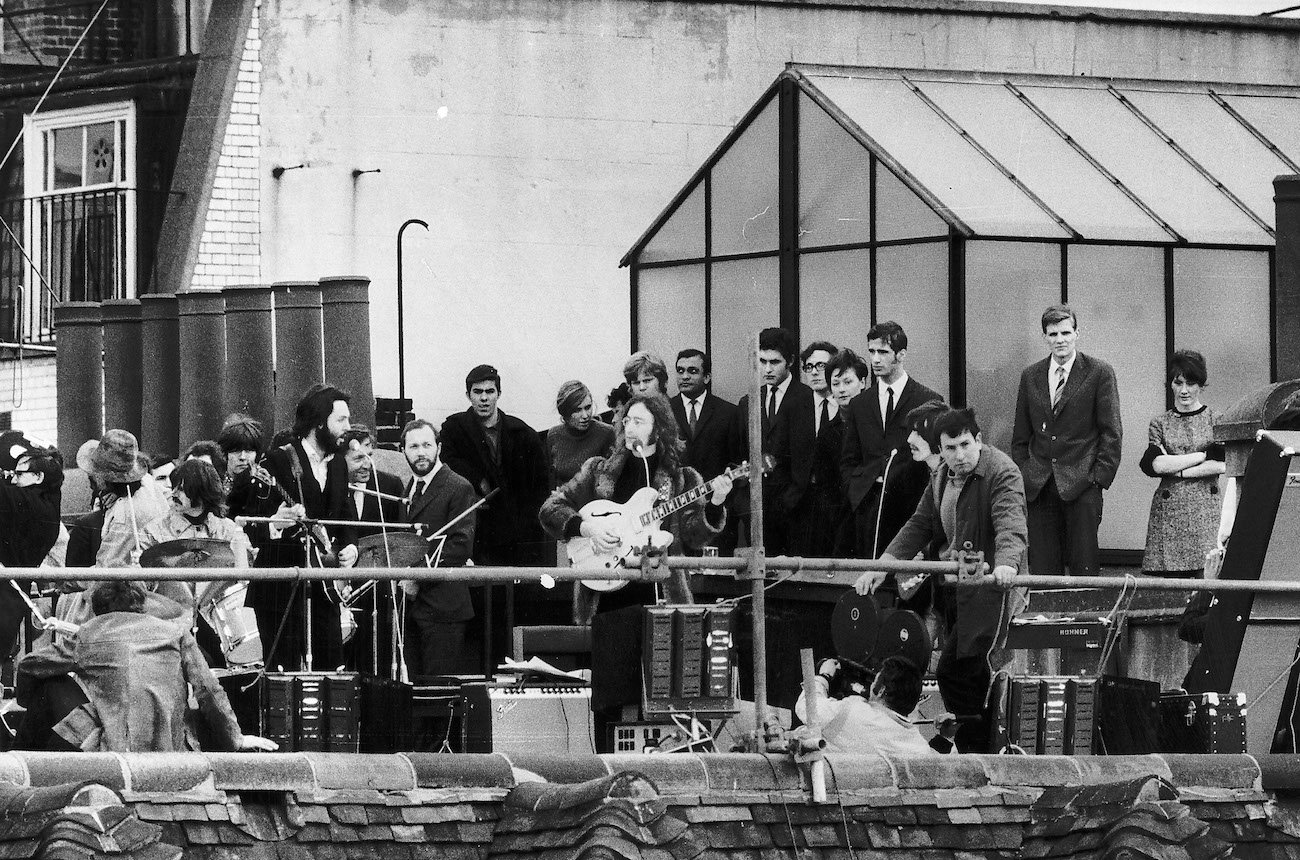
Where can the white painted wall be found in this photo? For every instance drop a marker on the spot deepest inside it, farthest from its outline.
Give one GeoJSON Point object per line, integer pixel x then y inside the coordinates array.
{"type": "Point", "coordinates": [539, 138]}
{"type": "Point", "coordinates": [28, 390]}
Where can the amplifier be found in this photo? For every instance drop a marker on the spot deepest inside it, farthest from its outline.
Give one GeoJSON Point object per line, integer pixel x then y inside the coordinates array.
{"type": "Point", "coordinates": [1202, 722]}
{"type": "Point", "coordinates": [637, 738]}
{"type": "Point", "coordinates": [686, 659]}
{"type": "Point", "coordinates": [514, 718]}
{"type": "Point", "coordinates": [335, 712]}
{"type": "Point", "coordinates": [1075, 716]}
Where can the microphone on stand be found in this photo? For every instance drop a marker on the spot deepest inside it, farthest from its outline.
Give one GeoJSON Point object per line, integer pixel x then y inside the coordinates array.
{"type": "Point", "coordinates": [880, 510]}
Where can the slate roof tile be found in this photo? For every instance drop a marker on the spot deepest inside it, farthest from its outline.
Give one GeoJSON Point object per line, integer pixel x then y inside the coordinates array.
{"type": "Point", "coordinates": [883, 836]}
{"type": "Point", "coordinates": [900, 815]}
{"type": "Point", "coordinates": [699, 814]}
{"type": "Point", "coordinates": [737, 834]}
{"type": "Point", "coordinates": [349, 813]}
{"type": "Point", "coordinates": [969, 815]}
{"type": "Point", "coordinates": [202, 833]}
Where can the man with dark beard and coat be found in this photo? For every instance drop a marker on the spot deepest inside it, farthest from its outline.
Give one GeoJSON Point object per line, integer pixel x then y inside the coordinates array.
{"type": "Point", "coordinates": [313, 483]}
{"type": "Point", "coordinates": [647, 453]}
{"type": "Point", "coordinates": [439, 611]}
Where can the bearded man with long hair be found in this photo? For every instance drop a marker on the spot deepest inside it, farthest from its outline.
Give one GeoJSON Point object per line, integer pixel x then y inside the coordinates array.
{"type": "Point", "coordinates": [647, 453]}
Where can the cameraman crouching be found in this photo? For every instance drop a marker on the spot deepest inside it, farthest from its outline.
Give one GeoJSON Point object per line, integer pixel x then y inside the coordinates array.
{"type": "Point", "coordinates": [873, 721]}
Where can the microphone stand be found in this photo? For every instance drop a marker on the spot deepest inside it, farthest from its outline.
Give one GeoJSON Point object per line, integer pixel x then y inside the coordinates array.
{"type": "Point", "coordinates": [880, 508]}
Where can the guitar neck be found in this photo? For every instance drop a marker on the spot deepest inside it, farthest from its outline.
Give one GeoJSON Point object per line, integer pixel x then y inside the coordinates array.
{"type": "Point", "coordinates": [676, 503]}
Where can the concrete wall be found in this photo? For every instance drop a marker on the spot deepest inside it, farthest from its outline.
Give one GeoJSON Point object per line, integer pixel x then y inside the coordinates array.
{"type": "Point", "coordinates": [539, 138]}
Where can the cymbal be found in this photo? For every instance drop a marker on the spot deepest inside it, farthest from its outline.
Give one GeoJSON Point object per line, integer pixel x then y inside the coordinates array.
{"type": "Point", "coordinates": [189, 552]}
{"type": "Point", "coordinates": [405, 550]}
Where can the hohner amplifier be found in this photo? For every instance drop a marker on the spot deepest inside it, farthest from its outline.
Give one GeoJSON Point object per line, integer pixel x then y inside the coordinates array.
{"type": "Point", "coordinates": [515, 718]}
{"type": "Point", "coordinates": [686, 659]}
{"type": "Point", "coordinates": [334, 712]}
{"type": "Point", "coordinates": [1058, 715]}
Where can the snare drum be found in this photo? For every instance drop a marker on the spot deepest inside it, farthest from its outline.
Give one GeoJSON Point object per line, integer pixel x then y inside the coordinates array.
{"type": "Point", "coordinates": [235, 625]}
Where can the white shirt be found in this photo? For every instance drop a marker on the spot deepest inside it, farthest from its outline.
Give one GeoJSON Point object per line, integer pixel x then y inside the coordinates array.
{"type": "Point", "coordinates": [854, 725]}
{"type": "Point", "coordinates": [832, 410]}
{"type": "Point", "coordinates": [897, 387]}
{"type": "Point", "coordinates": [1051, 373]}
{"type": "Point", "coordinates": [359, 502]}
{"type": "Point", "coordinates": [781, 388]}
{"type": "Point", "coordinates": [320, 466]}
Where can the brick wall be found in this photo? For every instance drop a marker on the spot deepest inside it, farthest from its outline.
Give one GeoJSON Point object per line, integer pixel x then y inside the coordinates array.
{"type": "Point", "coordinates": [118, 35]}
{"type": "Point", "coordinates": [230, 251]}
{"type": "Point", "coordinates": [27, 392]}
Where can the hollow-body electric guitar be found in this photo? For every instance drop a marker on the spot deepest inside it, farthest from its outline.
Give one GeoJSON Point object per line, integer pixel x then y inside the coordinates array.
{"type": "Point", "coordinates": [636, 522]}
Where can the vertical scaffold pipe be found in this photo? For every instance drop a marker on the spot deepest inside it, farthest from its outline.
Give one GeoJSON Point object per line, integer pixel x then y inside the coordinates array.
{"type": "Point", "coordinates": [757, 566]}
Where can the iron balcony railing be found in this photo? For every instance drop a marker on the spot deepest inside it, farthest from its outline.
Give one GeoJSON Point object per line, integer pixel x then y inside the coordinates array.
{"type": "Point", "coordinates": [84, 246]}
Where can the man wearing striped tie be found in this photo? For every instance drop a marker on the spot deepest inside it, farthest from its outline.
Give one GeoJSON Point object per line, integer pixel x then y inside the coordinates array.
{"type": "Point", "coordinates": [1067, 444]}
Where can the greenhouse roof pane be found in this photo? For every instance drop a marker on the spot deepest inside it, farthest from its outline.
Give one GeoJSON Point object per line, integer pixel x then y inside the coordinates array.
{"type": "Point", "coordinates": [1038, 156]}
{"type": "Point", "coordinates": [1275, 117]}
{"type": "Point", "coordinates": [967, 184]}
{"type": "Point", "coordinates": [1147, 165]}
{"type": "Point", "coordinates": [1220, 144]}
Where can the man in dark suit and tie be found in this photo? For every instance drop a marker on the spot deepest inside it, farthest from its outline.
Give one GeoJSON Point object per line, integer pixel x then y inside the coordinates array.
{"type": "Point", "coordinates": [439, 611]}
{"type": "Point", "coordinates": [366, 652]}
{"type": "Point", "coordinates": [708, 427]}
{"type": "Point", "coordinates": [789, 436]}
{"type": "Point", "coordinates": [1067, 444]}
{"type": "Point", "coordinates": [882, 482]}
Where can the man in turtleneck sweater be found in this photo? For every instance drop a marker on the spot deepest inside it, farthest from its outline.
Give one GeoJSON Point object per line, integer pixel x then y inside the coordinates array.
{"type": "Point", "coordinates": [647, 453]}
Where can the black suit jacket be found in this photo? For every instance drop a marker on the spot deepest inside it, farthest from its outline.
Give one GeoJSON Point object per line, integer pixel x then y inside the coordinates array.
{"type": "Point", "coordinates": [1080, 444]}
{"type": "Point", "coordinates": [320, 502]}
{"type": "Point", "coordinates": [507, 531]}
{"type": "Point", "coordinates": [790, 440]}
{"type": "Point", "coordinates": [716, 443]}
{"type": "Point", "coordinates": [868, 442]}
{"type": "Point", "coordinates": [447, 496]}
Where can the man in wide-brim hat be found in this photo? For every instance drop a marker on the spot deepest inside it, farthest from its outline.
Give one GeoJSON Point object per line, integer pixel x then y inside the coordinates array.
{"type": "Point", "coordinates": [131, 503]}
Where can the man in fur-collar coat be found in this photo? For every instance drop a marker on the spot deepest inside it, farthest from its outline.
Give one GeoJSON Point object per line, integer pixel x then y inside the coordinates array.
{"type": "Point", "coordinates": [647, 452]}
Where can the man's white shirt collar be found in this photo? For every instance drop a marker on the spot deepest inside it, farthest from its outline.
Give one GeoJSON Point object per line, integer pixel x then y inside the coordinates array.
{"type": "Point", "coordinates": [883, 393]}
{"type": "Point", "coordinates": [1051, 370]}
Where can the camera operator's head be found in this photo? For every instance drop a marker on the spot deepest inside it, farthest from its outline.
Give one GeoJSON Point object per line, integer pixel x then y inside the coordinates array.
{"type": "Point", "coordinates": [897, 685]}
{"type": "Point", "coordinates": [117, 596]}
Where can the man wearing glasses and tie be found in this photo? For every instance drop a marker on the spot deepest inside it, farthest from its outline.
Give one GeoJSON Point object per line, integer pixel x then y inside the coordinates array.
{"type": "Point", "coordinates": [1067, 444]}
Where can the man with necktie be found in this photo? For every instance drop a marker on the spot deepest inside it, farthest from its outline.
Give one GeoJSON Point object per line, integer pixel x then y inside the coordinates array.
{"type": "Point", "coordinates": [707, 426]}
{"type": "Point", "coordinates": [882, 482]}
{"type": "Point", "coordinates": [438, 611]}
{"type": "Point", "coordinates": [1067, 444]}
{"type": "Point", "coordinates": [789, 434]}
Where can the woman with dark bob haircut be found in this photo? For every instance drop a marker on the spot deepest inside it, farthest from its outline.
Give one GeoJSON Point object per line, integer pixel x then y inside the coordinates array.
{"type": "Point", "coordinates": [1182, 454]}
{"type": "Point", "coordinates": [578, 437]}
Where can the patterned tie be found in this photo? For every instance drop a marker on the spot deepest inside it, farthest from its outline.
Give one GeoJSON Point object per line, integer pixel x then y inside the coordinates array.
{"type": "Point", "coordinates": [889, 406]}
{"type": "Point", "coordinates": [1060, 385]}
{"type": "Point", "coordinates": [825, 417]}
{"type": "Point", "coordinates": [692, 417]}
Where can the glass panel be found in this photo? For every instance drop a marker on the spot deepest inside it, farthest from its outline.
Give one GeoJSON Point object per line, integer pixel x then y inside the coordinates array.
{"type": "Point", "coordinates": [1218, 142]}
{"type": "Point", "coordinates": [900, 214]}
{"type": "Point", "coordinates": [744, 189]}
{"type": "Point", "coordinates": [937, 156]}
{"type": "Point", "coordinates": [746, 298]}
{"type": "Point", "coordinates": [681, 237]}
{"type": "Point", "coordinates": [912, 290]}
{"type": "Point", "coordinates": [1146, 165]}
{"type": "Point", "coordinates": [1008, 284]}
{"type": "Point", "coordinates": [1221, 301]}
{"type": "Point", "coordinates": [1050, 167]}
{"type": "Point", "coordinates": [67, 152]}
{"type": "Point", "coordinates": [835, 298]}
{"type": "Point", "coordinates": [101, 153]}
{"type": "Point", "coordinates": [1119, 296]}
{"type": "Point", "coordinates": [1277, 118]}
{"type": "Point", "coordinates": [670, 309]}
{"type": "Point", "coordinates": [834, 181]}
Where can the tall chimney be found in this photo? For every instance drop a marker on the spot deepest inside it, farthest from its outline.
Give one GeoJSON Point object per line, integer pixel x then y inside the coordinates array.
{"type": "Point", "coordinates": [299, 349]}
{"type": "Point", "coordinates": [79, 374]}
{"type": "Point", "coordinates": [160, 374]}
{"type": "Point", "coordinates": [202, 327]}
{"type": "Point", "coordinates": [122, 384]}
{"type": "Point", "coordinates": [346, 311]}
{"type": "Point", "coordinates": [1286, 278]}
{"type": "Point", "coordinates": [250, 370]}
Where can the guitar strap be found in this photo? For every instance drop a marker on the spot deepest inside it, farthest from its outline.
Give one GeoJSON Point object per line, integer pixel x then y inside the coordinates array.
{"type": "Point", "coordinates": [295, 468]}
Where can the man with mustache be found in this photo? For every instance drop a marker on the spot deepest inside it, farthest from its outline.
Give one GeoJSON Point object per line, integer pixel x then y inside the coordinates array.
{"type": "Point", "coordinates": [439, 611]}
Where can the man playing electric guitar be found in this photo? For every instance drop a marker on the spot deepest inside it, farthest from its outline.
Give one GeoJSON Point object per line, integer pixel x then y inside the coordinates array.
{"type": "Point", "coordinates": [647, 453]}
